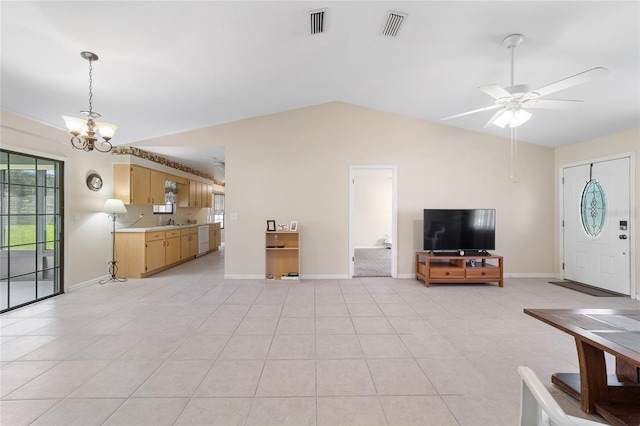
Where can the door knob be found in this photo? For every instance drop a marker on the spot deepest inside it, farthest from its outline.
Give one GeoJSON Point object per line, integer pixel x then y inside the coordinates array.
{"type": "Point", "coordinates": [622, 236]}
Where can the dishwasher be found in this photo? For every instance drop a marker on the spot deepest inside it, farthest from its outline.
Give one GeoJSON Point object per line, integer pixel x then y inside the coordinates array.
{"type": "Point", "coordinates": [203, 240]}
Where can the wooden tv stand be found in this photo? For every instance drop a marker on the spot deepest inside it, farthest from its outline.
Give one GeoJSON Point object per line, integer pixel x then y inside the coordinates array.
{"type": "Point", "coordinates": [456, 269]}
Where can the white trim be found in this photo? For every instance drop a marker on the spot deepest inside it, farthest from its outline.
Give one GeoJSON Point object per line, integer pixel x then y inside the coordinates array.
{"type": "Point", "coordinates": [92, 281]}
{"type": "Point", "coordinates": [394, 215]}
{"type": "Point", "coordinates": [531, 275]}
{"type": "Point", "coordinates": [245, 277]}
{"type": "Point", "coordinates": [633, 214]}
{"type": "Point", "coordinates": [324, 277]}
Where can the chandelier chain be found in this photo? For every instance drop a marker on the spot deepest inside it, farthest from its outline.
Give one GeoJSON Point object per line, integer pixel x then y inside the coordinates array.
{"type": "Point", "coordinates": [90, 87]}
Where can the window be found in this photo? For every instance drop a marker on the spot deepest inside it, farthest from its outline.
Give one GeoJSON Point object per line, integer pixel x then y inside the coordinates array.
{"type": "Point", "coordinates": [163, 209]}
{"type": "Point", "coordinates": [593, 208]}
{"type": "Point", "coordinates": [30, 228]}
{"type": "Point", "coordinates": [218, 209]}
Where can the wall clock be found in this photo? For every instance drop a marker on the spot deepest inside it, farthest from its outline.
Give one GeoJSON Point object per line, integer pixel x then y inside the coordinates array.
{"type": "Point", "coordinates": [94, 182]}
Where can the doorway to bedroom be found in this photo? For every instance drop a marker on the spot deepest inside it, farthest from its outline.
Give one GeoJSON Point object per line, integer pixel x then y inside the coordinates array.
{"type": "Point", "coordinates": [372, 221]}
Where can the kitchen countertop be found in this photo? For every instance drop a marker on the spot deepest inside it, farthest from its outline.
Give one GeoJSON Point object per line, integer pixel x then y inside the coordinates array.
{"type": "Point", "coordinates": [162, 228]}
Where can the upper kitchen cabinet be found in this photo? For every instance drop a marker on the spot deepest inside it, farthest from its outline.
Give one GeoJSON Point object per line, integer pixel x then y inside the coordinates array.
{"type": "Point", "coordinates": [138, 185]}
{"type": "Point", "coordinates": [198, 194]}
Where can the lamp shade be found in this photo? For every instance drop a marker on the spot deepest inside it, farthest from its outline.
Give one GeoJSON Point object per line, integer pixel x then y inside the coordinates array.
{"type": "Point", "coordinates": [106, 130]}
{"type": "Point", "coordinates": [114, 205]}
{"type": "Point", "coordinates": [75, 125]}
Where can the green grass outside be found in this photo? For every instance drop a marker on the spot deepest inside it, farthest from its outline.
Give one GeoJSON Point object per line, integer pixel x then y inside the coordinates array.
{"type": "Point", "coordinates": [23, 237]}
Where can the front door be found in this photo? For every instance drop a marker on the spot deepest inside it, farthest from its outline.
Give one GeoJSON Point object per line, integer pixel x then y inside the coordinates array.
{"type": "Point", "coordinates": [596, 224]}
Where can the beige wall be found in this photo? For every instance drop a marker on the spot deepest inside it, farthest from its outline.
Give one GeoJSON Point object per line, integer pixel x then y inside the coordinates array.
{"type": "Point", "coordinates": [610, 145]}
{"type": "Point", "coordinates": [295, 166]}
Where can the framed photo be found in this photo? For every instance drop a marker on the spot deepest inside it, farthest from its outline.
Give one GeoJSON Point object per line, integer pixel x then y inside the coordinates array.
{"type": "Point", "coordinates": [294, 226]}
{"type": "Point", "coordinates": [271, 225]}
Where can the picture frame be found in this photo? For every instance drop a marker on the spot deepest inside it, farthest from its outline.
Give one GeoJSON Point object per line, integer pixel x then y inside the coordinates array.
{"type": "Point", "coordinates": [271, 225]}
{"type": "Point", "coordinates": [294, 226]}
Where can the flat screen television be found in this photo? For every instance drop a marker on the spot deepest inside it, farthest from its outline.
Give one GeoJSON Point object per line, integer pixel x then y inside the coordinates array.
{"type": "Point", "coordinates": [459, 229]}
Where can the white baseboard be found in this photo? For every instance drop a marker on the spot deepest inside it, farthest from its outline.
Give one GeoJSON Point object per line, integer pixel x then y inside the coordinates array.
{"type": "Point", "coordinates": [325, 276]}
{"type": "Point", "coordinates": [531, 275]}
{"type": "Point", "coordinates": [244, 277]}
{"type": "Point", "coordinates": [406, 276]}
{"type": "Point", "coordinates": [78, 286]}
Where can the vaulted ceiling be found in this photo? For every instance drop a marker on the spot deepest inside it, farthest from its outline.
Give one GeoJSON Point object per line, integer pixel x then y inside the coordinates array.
{"type": "Point", "coordinates": [172, 66]}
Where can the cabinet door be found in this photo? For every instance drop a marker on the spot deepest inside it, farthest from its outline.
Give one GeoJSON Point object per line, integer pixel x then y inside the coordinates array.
{"type": "Point", "coordinates": [140, 184]}
{"type": "Point", "coordinates": [193, 244]}
{"type": "Point", "coordinates": [206, 195]}
{"type": "Point", "coordinates": [154, 255]}
{"type": "Point", "coordinates": [184, 247]}
{"type": "Point", "coordinates": [212, 238]}
{"type": "Point", "coordinates": [172, 250]}
{"type": "Point", "coordinates": [193, 193]}
{"type": "Point", "coordinates": [156, 187]}
{"type": "Point", "coordinates": [218, 236]}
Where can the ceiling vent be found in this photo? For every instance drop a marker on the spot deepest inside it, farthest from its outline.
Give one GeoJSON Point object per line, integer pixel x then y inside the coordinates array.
{"type": "Point", "coordinates": [317, 20]}
{"type": "Point", "coordinates": [393, 23]}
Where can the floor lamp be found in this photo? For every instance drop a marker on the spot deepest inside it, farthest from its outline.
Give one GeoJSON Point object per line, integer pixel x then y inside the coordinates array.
{"type": "Point", "coordinates": [113, 207]}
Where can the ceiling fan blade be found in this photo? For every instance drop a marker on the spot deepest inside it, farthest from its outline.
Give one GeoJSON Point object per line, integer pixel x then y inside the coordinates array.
{"type": "Point", "coordinates": [495, 91]}
{"type": "Point", "coordinates": [574, 80]}
{"type": "Point", "coordinates": [551, 103]}
{"type": "Point", "coordinates": [472, 112]}
{"type": "Point", "coordinates": [494, 118]}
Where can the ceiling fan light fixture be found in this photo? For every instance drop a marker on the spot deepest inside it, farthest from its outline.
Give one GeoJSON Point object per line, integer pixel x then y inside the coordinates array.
{"type": "Point", "coordinates": [512, 117]}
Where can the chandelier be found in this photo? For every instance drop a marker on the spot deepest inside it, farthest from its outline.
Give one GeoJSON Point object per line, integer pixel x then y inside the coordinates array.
{"type": "Point", "coordinates": [84, 130]}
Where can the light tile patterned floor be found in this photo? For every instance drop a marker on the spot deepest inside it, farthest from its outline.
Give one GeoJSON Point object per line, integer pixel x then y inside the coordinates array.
{"type": "Point", "coordinates": [186, 347]}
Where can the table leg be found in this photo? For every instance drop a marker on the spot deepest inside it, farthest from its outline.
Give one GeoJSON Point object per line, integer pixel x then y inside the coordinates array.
{"type": "Point", "coordinates": [627, 371]}
{"type": "Point", "coordinates": [593, 376]}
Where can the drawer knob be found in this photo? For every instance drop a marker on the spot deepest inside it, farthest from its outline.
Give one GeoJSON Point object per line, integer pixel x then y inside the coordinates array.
{"type": "Point", "coordinates": [484, 273]}
{"type": "Point", "coordinates": [446, 273]}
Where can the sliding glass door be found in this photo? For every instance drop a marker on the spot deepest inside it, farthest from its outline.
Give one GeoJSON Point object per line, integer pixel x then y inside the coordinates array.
{"type": "Point", "coordinates": [31, 222]}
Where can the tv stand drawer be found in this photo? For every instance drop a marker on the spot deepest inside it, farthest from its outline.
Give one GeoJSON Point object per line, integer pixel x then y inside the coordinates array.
{"type": "Point", "coordinates": [446, 273]}
{"type": "Point", "coordinates": [483, 273]}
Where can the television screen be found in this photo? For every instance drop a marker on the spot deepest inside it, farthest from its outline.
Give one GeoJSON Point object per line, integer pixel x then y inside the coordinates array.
{"type": "Point", "coordinates": [459, 229]}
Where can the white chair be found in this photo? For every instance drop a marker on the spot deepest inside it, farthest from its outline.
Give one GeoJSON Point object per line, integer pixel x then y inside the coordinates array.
{"type": "Point", "coordinates": [538, 408]}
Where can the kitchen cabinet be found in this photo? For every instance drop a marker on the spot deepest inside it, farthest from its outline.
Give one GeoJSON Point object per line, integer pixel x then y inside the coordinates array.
{"type": "Point", "coordinates": [141, 254]}
{"type": "Point", "coordinates": [188, 243]}
{"type": "Point", "coordinates": [138, 185]}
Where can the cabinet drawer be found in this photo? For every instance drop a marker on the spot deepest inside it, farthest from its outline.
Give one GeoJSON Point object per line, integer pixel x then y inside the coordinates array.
{"type": "Point", "coordinates": [153, 236]}
{"type": "Point", "coordinates": [185, 231]}
{"type": "Point", "coordinates": [172, 233]}
{"type": "Point", "coordinates": [446, 273]}
{"type": "Point", "coordinates": [483, 273]}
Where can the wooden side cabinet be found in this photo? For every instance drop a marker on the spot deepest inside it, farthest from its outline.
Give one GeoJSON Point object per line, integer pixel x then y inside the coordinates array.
{"type": "Point", "coordinates": [282, 255]}
{"type": "Point", "coordinates": [456, 269]}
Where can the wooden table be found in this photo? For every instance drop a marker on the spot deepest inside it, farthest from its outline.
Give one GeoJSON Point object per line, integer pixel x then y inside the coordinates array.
{"type": "Point", "coordinates": [615, 397]}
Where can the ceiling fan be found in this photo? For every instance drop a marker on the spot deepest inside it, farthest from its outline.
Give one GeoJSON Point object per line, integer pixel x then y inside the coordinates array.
{"type": "Point", "coordinates": [514, 100]}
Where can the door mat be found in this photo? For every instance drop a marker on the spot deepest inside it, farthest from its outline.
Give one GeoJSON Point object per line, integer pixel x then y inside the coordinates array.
{"type": "Point", "coordinates": [586, 289]}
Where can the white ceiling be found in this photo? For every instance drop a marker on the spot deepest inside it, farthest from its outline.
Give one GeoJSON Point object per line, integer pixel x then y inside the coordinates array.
{"type": "Point", "coordinates": [172, 66]}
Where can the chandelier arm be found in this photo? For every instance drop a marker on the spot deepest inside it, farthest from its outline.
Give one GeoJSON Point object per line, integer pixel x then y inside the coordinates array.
{"type": "Point", "coordinates": [103, 143]}
{"type": "Point", "coordinates": [78, 143]}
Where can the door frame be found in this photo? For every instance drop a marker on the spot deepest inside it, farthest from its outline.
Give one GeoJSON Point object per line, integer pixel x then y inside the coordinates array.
{"type": "Point", "coordinates": [394, 214]}
{"type": "Point", "coordinates": [634, 290]}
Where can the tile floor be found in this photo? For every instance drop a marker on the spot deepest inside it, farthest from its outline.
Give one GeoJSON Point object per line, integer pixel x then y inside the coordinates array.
{"type": "Point", "coordinates": [186, 347]}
